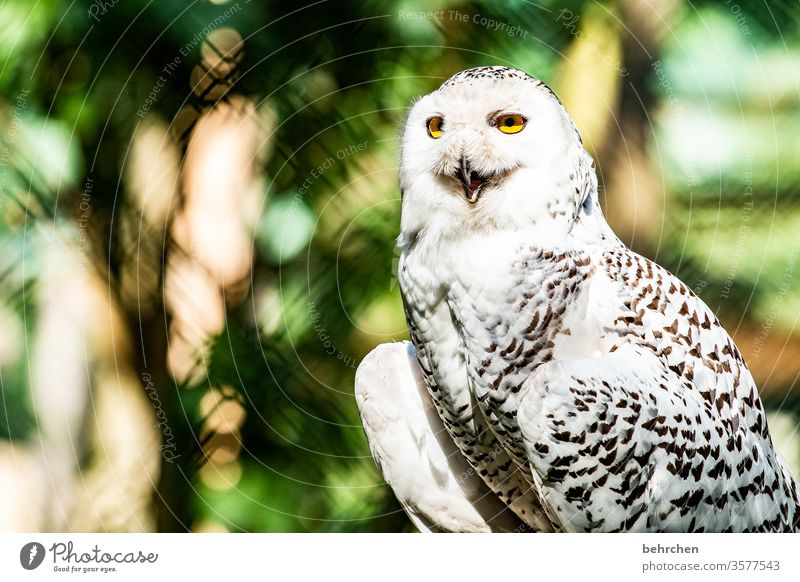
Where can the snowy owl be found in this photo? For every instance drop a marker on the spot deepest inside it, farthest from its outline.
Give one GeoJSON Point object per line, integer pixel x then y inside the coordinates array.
{"type": "Point", "coordinates": [556, 380]}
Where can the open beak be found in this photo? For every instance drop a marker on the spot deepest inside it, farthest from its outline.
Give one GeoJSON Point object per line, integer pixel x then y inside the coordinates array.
{"type": "Point", "coordinates": [471, 181]}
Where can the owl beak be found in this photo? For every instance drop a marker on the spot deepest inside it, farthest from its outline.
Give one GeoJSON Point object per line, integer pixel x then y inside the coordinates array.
{"type": "Point", "coordinates": [470, 181]}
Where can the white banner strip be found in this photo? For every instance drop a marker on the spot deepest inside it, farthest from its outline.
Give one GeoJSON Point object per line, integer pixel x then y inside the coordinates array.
{"type": "Point", "coordinates": [400, 557]}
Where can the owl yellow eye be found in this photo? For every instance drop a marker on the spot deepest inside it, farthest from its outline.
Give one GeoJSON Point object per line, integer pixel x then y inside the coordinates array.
{"type": "Point", "coordinates": [435, 127]}
{"type": "Point", "coordinates": [510, 122]}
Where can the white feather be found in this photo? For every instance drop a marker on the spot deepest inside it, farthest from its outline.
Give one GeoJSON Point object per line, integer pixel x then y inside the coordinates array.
{"type": "Point", "coordinates": [419, 460]}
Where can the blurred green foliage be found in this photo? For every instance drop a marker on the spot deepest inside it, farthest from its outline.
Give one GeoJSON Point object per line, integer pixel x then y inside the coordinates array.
{"type": "Point", "coordinates": [340, 76]}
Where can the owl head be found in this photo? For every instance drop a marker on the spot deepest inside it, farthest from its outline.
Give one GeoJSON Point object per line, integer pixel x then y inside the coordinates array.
{"type": "Point", "coordinates": [492, 148]}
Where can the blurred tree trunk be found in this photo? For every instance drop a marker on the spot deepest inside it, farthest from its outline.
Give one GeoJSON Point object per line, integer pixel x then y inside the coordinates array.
{"type": "Point", "coordinates": [603, 82]}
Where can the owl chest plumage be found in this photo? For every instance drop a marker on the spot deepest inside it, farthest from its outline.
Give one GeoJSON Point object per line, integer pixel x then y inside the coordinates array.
{"type": "Point", "coordinates": [511, 329]}
{"type": "Point", "coordinates": [489, 324]}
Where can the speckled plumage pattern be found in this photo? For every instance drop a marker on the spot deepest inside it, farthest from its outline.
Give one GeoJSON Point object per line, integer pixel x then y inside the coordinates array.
{"type": "Point", "coordinates": [433, 482]}
{"type": "Point", "coordinates": [588, 387]}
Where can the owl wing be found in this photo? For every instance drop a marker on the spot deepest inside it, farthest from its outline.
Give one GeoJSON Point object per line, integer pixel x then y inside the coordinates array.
{"type": "Point", "coordinates": [620, 442]}
{"type": "Point", "coordinates": [434, 483]}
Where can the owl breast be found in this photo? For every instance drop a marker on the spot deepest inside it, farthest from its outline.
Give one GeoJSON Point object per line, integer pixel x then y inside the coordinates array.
{"type": "Point", "coordinates": [508, 330]}
{"type": "Point", "coordinates": [480, 327]}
